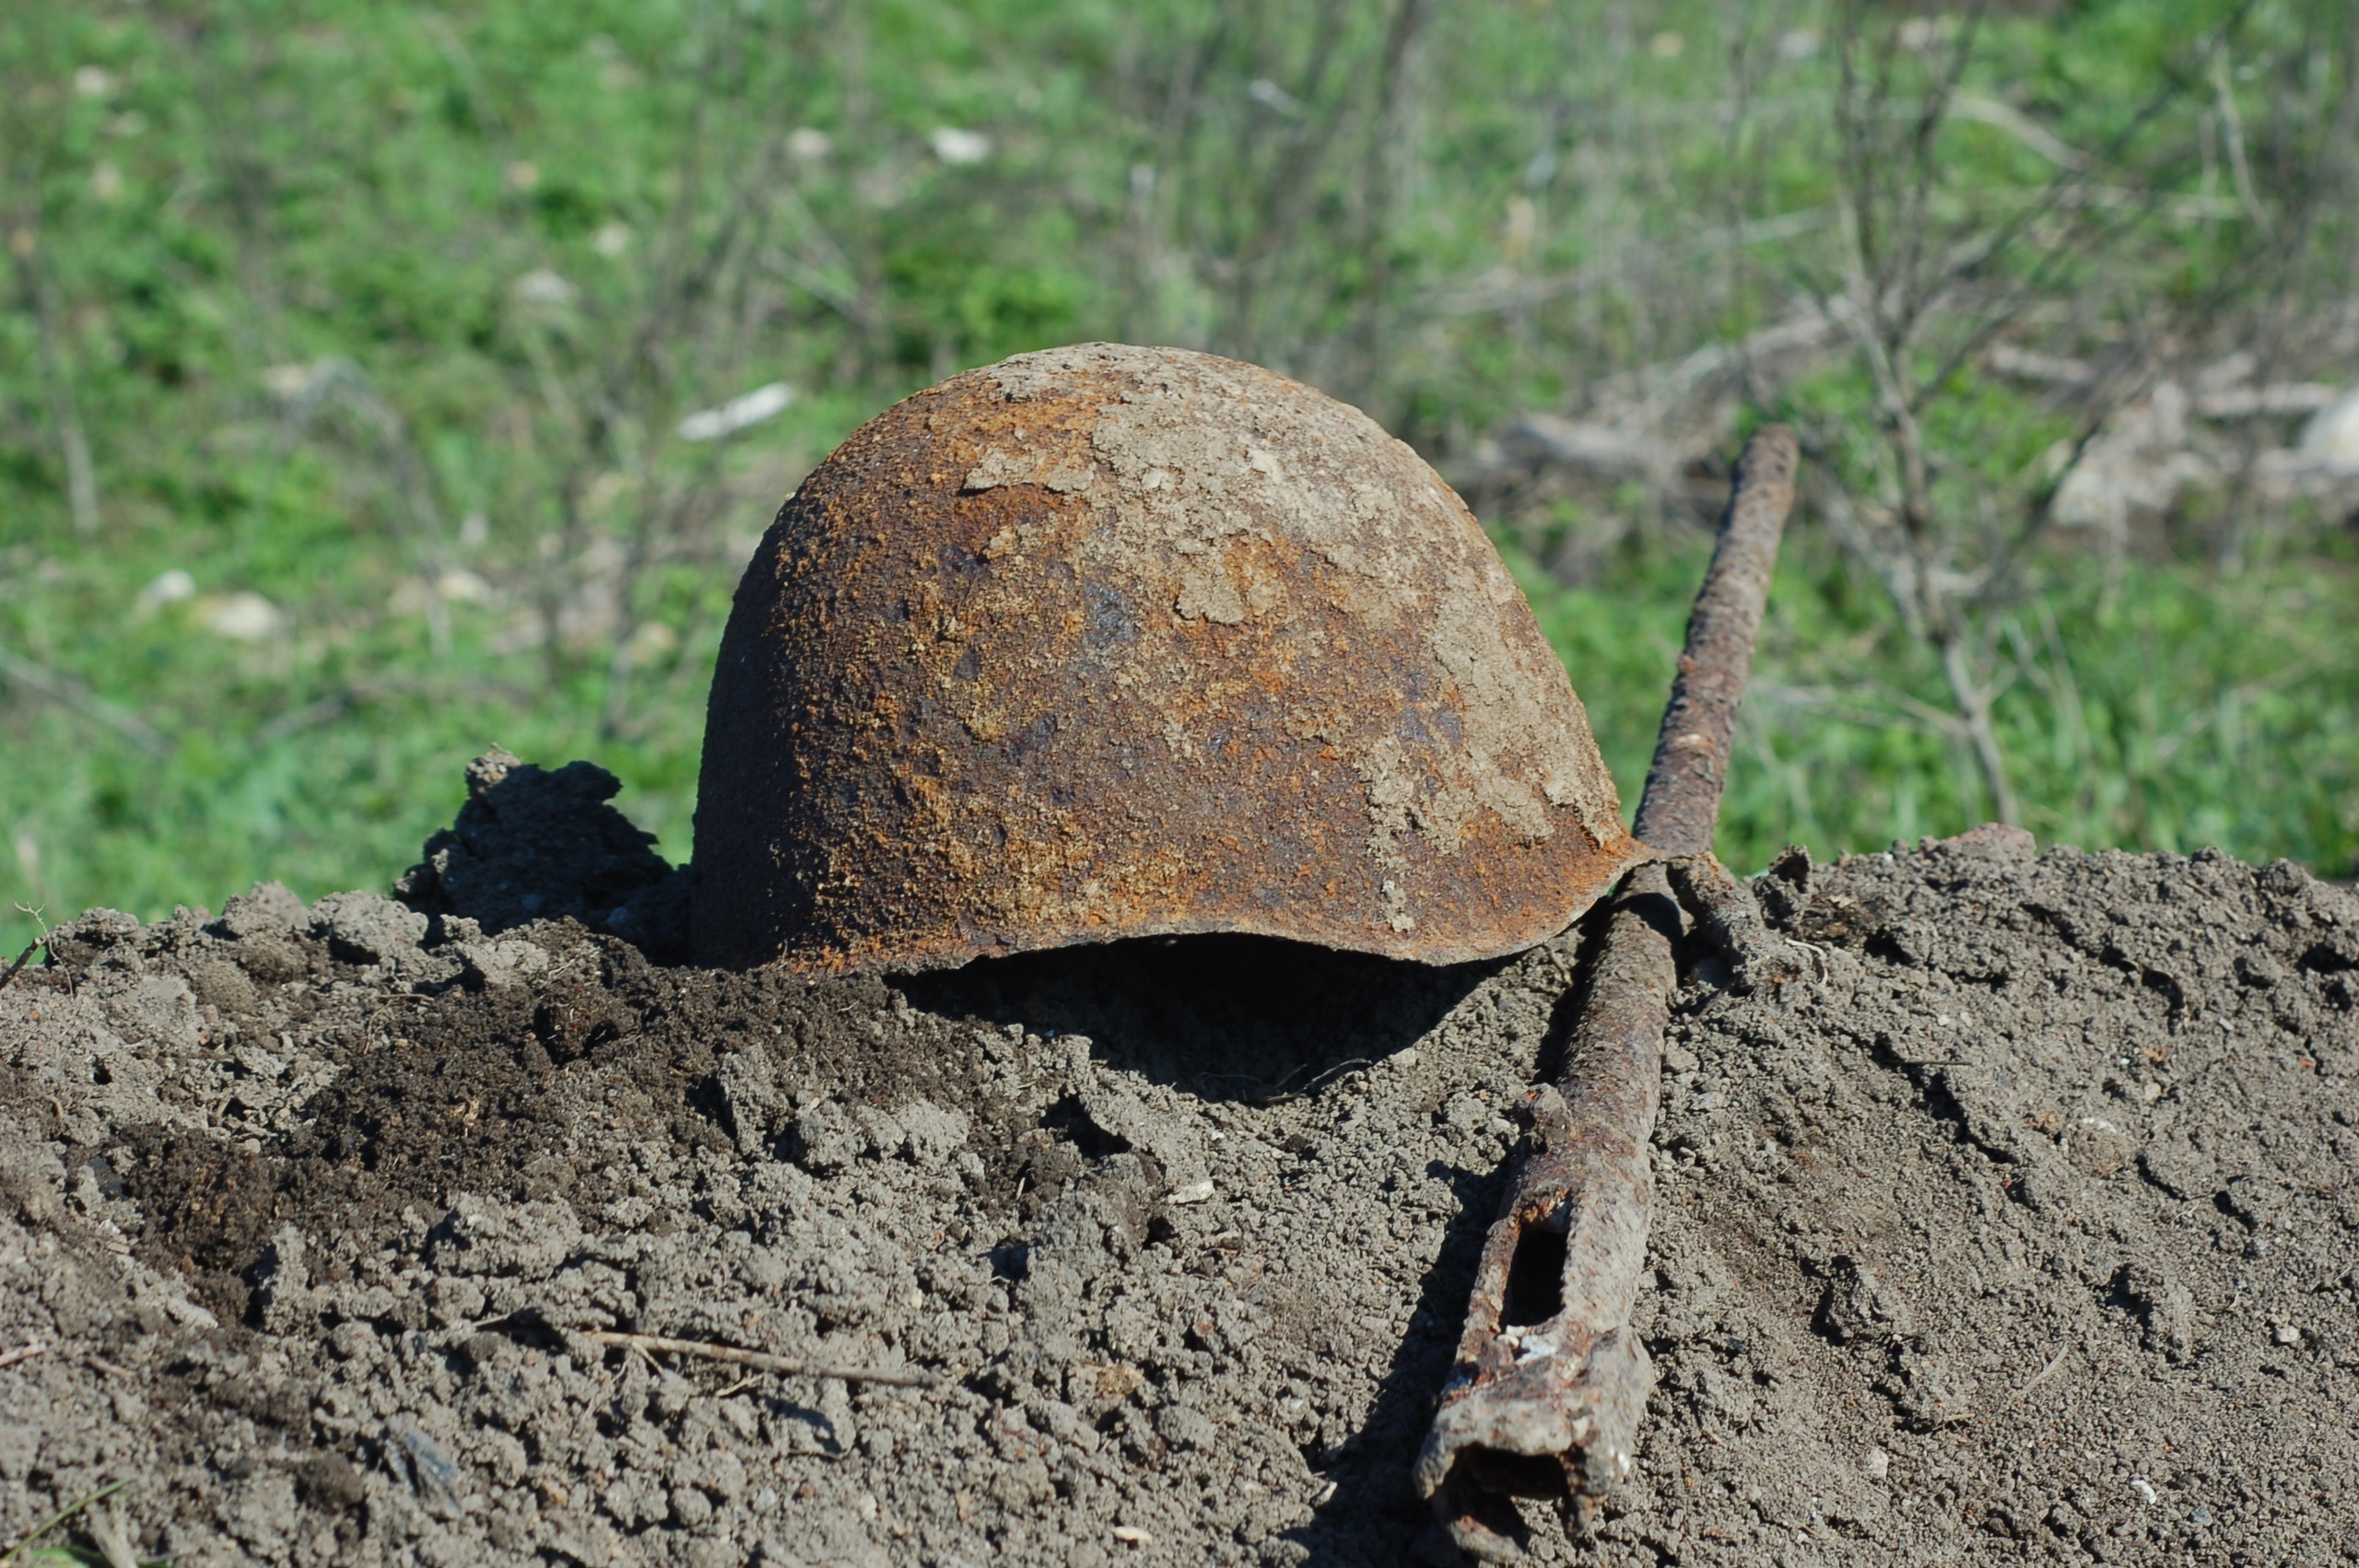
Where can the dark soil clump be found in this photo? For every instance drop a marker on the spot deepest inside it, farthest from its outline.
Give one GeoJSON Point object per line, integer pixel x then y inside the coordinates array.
{"type": "Point", "coordinates": [531, 845]}
{"type": "Point", "coordinates": [2025, 1225]}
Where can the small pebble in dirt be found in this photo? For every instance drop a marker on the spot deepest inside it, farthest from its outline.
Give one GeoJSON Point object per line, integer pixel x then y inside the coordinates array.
{"type": "Point", "coordinates": [1877, 1463]}
{"type": "Point", "coordinates": [2288, 1335]}
{"type": "Point", "coordinates": [2201, 1517]}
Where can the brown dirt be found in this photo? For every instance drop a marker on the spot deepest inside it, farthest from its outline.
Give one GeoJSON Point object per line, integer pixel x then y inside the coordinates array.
{"type": "Point", "coordinates": [2026, 1227]}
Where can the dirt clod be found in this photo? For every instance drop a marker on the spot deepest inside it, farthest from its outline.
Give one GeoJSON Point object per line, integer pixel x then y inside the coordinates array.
{"type": "Point", "coordinates": [2020, 1222]}
{"type": "Point", "coordinates": [535, 845]}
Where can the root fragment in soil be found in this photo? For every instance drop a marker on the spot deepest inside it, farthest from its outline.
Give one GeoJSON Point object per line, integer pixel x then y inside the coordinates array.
{"type": "Point", "coordinates": [790, 1367]}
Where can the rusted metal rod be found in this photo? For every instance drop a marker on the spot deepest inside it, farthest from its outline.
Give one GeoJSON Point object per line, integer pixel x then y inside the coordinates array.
{"type": "Point", "coordinates": [1681, 803]}
{"type": "Point", "coordinates": [1549, 1384]}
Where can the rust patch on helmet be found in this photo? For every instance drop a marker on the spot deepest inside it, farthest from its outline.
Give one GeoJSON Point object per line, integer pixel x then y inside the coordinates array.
{"type": "Point", "coordinates": [1106, 642]}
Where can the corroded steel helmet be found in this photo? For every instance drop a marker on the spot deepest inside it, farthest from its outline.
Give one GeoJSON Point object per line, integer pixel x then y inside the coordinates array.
{"type": "Point", "coordinates": [1107, 642]}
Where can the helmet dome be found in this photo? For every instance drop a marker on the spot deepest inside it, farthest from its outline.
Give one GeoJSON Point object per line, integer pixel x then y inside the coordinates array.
{"type": "Point", "coordinates": [1106, 642]}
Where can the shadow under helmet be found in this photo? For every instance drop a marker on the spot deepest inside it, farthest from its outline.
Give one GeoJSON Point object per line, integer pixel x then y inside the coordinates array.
{"type": "Point", "coordinates": [1107, 642]}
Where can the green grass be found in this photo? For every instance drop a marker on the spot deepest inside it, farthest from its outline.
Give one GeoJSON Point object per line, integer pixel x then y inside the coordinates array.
{"type": "Point", "coordinates": [2169, 712]}
{"type": "Point", "coordinates": [211, 196]}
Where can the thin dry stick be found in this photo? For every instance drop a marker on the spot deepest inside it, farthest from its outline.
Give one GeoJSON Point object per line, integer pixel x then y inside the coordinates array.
{"type": "Point", "coordinates": [70, 694]}
{"type": "Point", "coordinates": [107, 1529]}
{"type": "Point", "coordinates": [760, 1361]}
{"type": "Point", "coordinates": [25, 1352]}
{"type": "Point", "coordinates": [81, 476]}
{"type": "Point", "coordinates": [2043, 1374]}
{"type": "Point", "coordinates": [1549, 1384]}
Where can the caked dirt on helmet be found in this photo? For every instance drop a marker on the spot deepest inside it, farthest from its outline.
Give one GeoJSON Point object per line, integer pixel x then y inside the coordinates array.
{"type": "Point", "coordinates": [1107, 642]}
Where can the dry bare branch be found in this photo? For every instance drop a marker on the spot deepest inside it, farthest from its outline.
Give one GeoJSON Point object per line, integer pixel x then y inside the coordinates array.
{"type": "Point", "coordinates": [77, 697]}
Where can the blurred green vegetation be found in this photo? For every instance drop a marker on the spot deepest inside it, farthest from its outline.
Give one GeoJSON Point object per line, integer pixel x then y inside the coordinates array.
{"type": "Point", "coordinates": [378, 322]}
{"type": "Point", "coordinates": [2169, 711]}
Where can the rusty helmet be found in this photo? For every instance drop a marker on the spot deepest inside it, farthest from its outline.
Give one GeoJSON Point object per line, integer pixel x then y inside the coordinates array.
{"type": "Point", "coordinates": [1106, 642]}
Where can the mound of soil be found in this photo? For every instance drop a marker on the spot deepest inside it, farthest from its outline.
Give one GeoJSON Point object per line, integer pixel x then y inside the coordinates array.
{"type": "Point", "coordinates": [2024, 1227]}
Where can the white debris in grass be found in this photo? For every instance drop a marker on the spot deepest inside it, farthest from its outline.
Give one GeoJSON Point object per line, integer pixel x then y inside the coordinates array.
{"type": "Point", "coordinates": [243, 616]}
{"type": "Point", "coordinates": [739, 413]}
{"type": "Point", "coordinates": [170, 587]}
{"type": "Point", "coordinates": [954, 146]}
{"type": "Point", "coordinates": [2333, 435]}
{"type": "Point", "coordinates": [542, 286]}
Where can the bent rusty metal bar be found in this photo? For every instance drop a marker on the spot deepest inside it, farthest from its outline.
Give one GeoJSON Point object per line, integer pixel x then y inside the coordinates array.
{"type": "Point", "coordinates": [1549, 1385]}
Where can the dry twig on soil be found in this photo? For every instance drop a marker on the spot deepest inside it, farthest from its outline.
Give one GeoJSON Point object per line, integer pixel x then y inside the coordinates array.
{"type": "Point", "coordinates": [760, 1361]}
{"type": "Point", "coordinates": [1545, 1395]}
{"type": "Point", "coordinates": [22, 959]}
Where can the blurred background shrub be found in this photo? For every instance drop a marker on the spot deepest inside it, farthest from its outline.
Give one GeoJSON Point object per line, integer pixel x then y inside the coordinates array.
{"type": "Point", "coordinates": [381, 381]}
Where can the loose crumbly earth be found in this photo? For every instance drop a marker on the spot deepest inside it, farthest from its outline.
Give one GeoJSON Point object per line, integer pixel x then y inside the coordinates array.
{"type": "Point", "coordinates": [2024, 1227]}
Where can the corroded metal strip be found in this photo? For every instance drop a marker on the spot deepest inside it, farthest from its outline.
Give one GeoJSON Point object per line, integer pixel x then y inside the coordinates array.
{"type": "Point", "coordinates": [1546, 1393]}
{"type": "Point", "coordinates": [1112, 642]}
{"type": "Point", "coordinates": [1549, 1405]}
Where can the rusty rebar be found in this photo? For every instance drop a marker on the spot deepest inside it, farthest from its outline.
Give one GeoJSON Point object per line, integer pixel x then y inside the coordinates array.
{"type": "Point", "coordinates": [1681, 802]}
{"type": "Point", "coordinates": [1549, 1384]}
